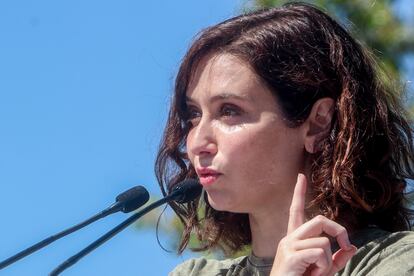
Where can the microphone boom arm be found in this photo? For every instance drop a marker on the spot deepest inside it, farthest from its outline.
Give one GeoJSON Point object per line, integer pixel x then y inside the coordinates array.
{"type": "Point", "coordinates": [125, 202]}
{"type": "Point", "coordinates": [75, 258]}
{"type": "Point", "coordinates": [51, 239]}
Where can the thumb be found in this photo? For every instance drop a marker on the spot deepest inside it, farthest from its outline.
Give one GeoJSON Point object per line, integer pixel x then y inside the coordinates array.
{"type": "Point", "coordinates": [340, 258]}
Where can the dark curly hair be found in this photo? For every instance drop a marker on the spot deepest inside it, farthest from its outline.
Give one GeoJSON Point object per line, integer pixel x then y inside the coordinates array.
{"type": "Point", "coordinates": [302, 55]}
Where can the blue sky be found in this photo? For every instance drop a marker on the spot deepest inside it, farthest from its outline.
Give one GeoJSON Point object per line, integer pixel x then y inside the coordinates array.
{"type": "Point", "coordinates": [84, 93]}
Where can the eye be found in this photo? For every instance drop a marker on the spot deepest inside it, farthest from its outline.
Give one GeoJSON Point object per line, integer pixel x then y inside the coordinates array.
{"type": "Point", "coordinates": [193, 116]}
{"type": "Point", "coordinates": [230, 110]}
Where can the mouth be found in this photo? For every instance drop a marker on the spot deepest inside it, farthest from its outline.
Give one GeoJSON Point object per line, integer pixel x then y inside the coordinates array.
{"type": "Point", "coordinates": [207, 176]}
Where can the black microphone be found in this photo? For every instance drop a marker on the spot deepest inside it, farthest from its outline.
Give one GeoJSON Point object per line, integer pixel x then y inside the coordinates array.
{"type": "Point", "coordinates": [183, 192]}
{"type": "Point", "coordinates": [125, 202]}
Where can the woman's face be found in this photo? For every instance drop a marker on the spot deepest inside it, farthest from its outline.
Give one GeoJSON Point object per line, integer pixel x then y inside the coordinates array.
{"type": "Point", "coordinates": [245, 156]}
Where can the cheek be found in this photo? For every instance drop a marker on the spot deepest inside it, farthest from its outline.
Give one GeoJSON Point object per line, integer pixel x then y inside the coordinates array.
{"type": "Point", "coordinates": [245, 149]}
{"type": "Point", "coordinates": [250, 141]}
{"type": "Point", "coordinates": [263, 153]}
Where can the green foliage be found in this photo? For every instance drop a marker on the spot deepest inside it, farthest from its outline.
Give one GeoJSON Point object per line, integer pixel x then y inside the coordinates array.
{"type": "Point", "coordinates": [373, 22]}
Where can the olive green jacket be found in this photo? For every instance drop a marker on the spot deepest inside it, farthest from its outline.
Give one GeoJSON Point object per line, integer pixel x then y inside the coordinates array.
{"type": "Point", "coordinates": [379, 253]}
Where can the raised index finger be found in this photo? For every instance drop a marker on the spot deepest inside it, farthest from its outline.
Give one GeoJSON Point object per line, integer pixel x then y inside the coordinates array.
{"type": "Point", "coordinates": [297, 207]}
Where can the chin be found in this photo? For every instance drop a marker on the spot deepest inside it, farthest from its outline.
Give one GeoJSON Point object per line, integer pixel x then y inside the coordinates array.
{"type": "Point", "coordinates": [223, 205]}
{"type": "Point", "coordinates": [218, 203]}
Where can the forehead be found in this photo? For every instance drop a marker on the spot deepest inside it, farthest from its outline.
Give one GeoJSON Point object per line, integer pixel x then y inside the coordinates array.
{"type": "Point", "coordinates": [223, 74]}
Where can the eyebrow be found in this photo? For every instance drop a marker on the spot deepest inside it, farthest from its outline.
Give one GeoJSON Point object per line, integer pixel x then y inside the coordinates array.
{"type": "Point", "coordinates": [225, 96]}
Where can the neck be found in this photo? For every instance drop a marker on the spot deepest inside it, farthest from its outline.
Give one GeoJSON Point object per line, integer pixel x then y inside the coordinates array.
{"type": "Point", "coordinates": [268, 226]}
{"type": "Point", "coordinates": [267, 231]}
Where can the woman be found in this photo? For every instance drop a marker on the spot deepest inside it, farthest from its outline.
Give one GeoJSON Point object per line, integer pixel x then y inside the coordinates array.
{"type": "Point", "coordinates": [302, 151]}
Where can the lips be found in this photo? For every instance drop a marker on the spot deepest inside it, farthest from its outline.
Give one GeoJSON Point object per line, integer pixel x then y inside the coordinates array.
{"type": "Point", "coordinates": [207, 176]}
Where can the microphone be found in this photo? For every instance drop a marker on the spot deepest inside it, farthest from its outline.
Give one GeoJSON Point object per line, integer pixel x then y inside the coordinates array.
{"type": "Point", "coordinates": [183, 192]}
{"type": "Point", "coordinates": [125, 202]}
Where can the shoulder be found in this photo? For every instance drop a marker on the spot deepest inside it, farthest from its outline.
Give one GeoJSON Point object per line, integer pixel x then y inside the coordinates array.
{"type": "Point", "coordinates": [389, 254]}
{"type": "Point", "coordinates": [204, 266]}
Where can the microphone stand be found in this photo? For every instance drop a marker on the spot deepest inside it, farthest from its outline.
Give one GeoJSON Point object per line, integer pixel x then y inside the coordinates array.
{"type": "Point", "coordinates": [125, 202]}
{"type": "Point", "coordinates": [51, 239]}
{"type": "Point", "coordinates": [75, 258]}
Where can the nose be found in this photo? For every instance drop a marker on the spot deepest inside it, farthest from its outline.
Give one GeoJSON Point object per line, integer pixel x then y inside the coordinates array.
{"type": "Point", "coordinates": [201, 140]}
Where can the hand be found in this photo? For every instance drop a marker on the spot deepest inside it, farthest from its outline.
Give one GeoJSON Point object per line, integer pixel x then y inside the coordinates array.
{"type": "Point", "coordinates": [303, 250]}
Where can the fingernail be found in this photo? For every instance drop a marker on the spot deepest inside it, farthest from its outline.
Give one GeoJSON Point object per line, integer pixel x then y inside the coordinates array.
{"type": "Point", "coordinates": [351, 247]}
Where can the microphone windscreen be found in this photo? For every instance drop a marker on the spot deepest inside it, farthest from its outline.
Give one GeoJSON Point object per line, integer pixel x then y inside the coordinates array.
{"type": "Point", "coordinates": [186, 191]}
{"type": "Point", "coordinates": [133, 198]}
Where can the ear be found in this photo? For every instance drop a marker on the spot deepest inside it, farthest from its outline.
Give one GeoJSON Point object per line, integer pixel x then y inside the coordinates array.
{"type": "Point", "coordinates": [319, 124]}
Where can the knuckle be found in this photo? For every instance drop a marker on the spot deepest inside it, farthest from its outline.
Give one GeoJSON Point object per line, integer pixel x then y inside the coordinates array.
{"type": "Point", "coordinates": [342, 231]}
{"type": "Point", "coordinates": [325, 242]}
{"type": "Point", "coordinates": [320, 218]}
{"type": "Point", "coordinates": [283, 243]}
{"type": "Point", "coordinates": [320, 253]}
